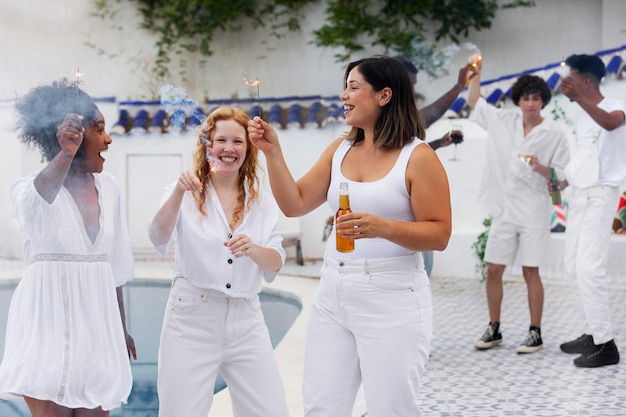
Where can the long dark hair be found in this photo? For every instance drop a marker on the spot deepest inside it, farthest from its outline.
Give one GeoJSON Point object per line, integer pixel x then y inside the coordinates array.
{"type": "Point", "coordinates": [400, 120]}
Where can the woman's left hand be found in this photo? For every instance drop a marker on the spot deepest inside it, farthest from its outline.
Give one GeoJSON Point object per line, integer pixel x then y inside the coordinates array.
{"type": "Point", "coordinates": [240, 245]}
{"type": "Point", "coordinates": [360, 225]}
{"type": "Point", "coordinates": [130, 346]}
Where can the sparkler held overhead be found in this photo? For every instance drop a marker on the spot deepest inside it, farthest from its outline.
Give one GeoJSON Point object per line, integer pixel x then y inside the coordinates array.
{"type": "Point", "coordinates": [255, 83]}
{"type": "Point", "coordinates": [475, 59]}
{"type": "Point", "coordinates": [78, 75]}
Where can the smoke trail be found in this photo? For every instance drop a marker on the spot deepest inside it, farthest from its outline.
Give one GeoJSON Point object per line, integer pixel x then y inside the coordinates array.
{"type": "Point", "coordinates": [435, 62]}
{"type": "Point", "coordinates": [174, 100]}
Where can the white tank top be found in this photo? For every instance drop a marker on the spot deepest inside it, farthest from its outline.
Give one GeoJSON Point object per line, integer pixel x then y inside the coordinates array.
{"type": "Point", "coordinates": [386, 197]}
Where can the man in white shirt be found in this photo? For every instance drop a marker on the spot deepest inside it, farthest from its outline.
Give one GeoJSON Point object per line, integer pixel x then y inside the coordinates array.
{"type": "Point", "coordinates": [596, 172]}
{"type": "Point", "coordinates": [521, 149]}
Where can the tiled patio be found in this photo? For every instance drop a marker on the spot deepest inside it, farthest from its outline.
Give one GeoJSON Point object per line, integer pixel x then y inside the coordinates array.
{"type": "Point", "coordinates": [461, 381]}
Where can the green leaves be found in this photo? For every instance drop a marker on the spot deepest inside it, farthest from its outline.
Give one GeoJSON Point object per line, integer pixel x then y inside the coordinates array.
{"type": "Point", "coordinates": [350, 25]}
{"type": "Point", "coordinates": [396, 24]}
{"type": "Point", "coordinates": [190, 25]}
{"type": "Point", "coordinates": [479, 246]}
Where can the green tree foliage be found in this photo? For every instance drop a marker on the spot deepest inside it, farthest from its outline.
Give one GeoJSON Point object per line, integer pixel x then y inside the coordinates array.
{"type": "Point", "coordinates": [398, 25]}
{"type": "Point", "coordinates": [395, 25]}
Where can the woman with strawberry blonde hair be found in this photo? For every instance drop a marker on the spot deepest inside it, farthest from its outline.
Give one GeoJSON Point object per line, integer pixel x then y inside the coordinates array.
{"type": "Point", "coordinates": [227, 240]}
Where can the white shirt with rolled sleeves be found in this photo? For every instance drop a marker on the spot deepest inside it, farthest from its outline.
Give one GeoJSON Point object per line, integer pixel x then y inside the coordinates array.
{"type": "Point", "coordinates": [508, 187]}
{"type": "Point", "coordinates": [201, 256]}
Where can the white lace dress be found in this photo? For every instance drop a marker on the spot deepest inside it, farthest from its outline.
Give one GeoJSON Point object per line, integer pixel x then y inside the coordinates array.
{"type": "Point", "coordinates": [64, 340]}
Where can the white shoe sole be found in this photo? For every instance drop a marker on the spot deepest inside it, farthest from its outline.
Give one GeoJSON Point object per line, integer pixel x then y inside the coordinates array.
{"type": "Point", "coordinates": [528, 349]}
{"type": "Point", "coordinates": [480, 345]}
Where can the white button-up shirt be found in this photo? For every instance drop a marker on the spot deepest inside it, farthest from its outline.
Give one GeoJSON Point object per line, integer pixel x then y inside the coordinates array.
{"type": "Point", "coordinates": [201, 256]}
{"type": "Point", "coordinates": [508, 187]}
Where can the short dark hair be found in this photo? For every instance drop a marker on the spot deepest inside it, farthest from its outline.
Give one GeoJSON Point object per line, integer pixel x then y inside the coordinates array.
{"type": "Point", "coordinates": [408, 65]}
{"type": "Point", "coordinates": [531, 84]}
{"type": "Point", "coordinates": [587, 65]}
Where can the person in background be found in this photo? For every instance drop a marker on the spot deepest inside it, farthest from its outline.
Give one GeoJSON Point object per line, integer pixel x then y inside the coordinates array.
{"type": "Point", "coordinates": [371, 320]}
{"type": "Point", "coordinates": [434, 112]}
{"type": "Point", "coordinates": [595, 175]}
{"type": "Point", "coordinates": [437, 109]}
{"type": "Point", "coordinates": [67, 349]}
{"type": "Point", "coordinates": [227, 239]}
{"type": "Point", "coordinates": [521, 149]}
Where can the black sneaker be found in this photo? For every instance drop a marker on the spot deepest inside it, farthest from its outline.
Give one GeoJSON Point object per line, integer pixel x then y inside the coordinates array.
{"type": "Point", "coordinates": [532, 343]}
{"type": "Point", "coordinates": [601, 355]}
{"type": "Point", "coordinates": [490, 338]}
{"type": "Point", "coordinates": [581, 344]}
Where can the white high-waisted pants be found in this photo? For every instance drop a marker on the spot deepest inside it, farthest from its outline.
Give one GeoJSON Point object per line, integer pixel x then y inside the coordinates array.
{"type": "Point", "coordinates": [205, 331]}
{"type": "Point", "coordinates": [371, 322]}
{"type": "Point", "coordinates": [587, 238]}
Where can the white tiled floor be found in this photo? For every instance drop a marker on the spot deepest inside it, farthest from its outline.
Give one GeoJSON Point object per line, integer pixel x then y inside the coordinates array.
{"type": "Point", "coordinates": [461, 381]}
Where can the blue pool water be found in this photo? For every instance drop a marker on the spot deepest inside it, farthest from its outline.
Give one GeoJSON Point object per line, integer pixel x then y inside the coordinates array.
{"type": "Point", "coordinates": [145, 303]}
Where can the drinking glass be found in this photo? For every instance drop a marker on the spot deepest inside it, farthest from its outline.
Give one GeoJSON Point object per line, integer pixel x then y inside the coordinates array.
{"type": "Point", "coordinates": [526, 161]}
{"type": "Point", "coordinates": [456, 131]}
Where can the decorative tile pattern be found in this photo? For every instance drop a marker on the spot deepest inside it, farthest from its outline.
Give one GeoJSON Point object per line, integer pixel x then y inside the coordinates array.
{"type": "Point", "coordinates": [463, 381]}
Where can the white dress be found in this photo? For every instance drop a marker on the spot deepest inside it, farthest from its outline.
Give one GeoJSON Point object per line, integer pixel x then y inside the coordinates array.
{"type": "Point", "coordinates": [65, 340]}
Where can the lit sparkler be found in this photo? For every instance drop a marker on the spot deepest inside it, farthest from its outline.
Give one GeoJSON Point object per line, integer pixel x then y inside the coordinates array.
{"type": "Point", "coordinates": [78, 75]}
{"type": "Point", "coordinates": [255, 83]}
{"type": "Point", "coordinates": [214, 163]}
{"type": "Point", "coordinates": [475, 59]}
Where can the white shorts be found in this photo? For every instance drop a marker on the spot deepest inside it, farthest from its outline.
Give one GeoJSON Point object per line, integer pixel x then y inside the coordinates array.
{"type": "Point", "coordinates": [507, 239]}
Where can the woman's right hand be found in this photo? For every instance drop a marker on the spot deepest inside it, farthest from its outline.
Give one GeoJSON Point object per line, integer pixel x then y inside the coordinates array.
{"type": "Point", "coordinates": [70, 133]}
{"type": "Point", "coordinates": [262, 134]}
{"type": "Point", "coordinates": [188, 181]}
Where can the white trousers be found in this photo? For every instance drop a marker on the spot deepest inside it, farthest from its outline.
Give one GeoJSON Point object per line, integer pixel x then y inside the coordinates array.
{"type": "Point", "coordinates": [204, 332]}
{"type": "Point", "coordinates": [371, 322]}
{"type": "Point", "coordinates": [587, 239]}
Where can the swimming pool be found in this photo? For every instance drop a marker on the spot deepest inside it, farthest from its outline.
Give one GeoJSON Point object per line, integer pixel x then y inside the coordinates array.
{"type": "Point", "coordinates": [145, 301]}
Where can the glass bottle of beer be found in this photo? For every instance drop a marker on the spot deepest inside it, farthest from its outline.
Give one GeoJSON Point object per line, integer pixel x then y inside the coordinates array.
{"type": "Point", "coordinates": [343, 244]}
{"type": "Point", "coordinates": [556, 193]}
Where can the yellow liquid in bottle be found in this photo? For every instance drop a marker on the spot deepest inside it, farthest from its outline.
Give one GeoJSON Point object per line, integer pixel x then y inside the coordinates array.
{"type": "Point", "coordinates": [344, 245]}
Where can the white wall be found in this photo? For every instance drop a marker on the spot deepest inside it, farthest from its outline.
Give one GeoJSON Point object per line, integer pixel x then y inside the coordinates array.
{"type": "Point", "coordinates": [144, 165]}
{"type": "Point", "coordinates": [44, 41]}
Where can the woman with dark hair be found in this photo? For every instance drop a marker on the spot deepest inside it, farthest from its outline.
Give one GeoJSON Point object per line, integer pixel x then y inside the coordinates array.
{"type": "Point", "coordinates": [67, 348]}
{"type": "Point", "coordinates": [371, 321]}
{"type": "Point", "coordinates": [227, 240]}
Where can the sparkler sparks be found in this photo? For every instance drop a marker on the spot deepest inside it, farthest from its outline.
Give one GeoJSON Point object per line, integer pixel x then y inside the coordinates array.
{"type": "Point", "coordinates": [214, 163]}
{"type": "Point", "coordinates": [78, 75]}
{"type": "Point", "coordinates": [475, 59]}
{"type": "Point", "coordinates": [255, 83]}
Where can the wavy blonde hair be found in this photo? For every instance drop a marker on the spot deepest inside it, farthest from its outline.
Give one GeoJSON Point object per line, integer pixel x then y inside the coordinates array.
{"type": "Point", "coordinates": [247, 173]}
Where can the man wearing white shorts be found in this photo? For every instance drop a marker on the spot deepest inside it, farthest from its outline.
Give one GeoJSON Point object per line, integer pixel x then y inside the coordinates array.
{"type": "Point", "coordinates": [521, 149]}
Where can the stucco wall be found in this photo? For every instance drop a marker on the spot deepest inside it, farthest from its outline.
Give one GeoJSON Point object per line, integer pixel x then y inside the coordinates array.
{"type": "Point", "coordinates": [44, 40]}
{"type": "Point", "coordinates": [47, 42]}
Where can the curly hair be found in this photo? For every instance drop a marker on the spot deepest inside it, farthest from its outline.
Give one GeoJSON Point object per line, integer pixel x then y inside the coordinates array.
{"type": "Point", "coordinates": [247, 173]}
{"type": "Point", "coordinates": [43, 108]}
{"type": "Point", "coordinates": [531, 84]}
